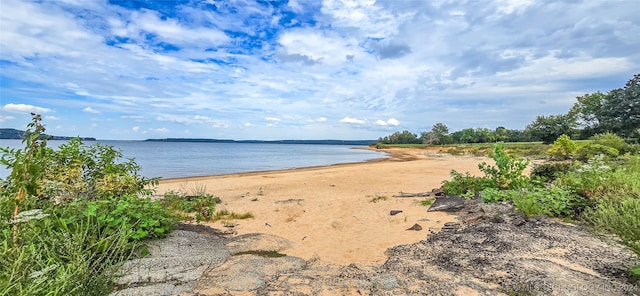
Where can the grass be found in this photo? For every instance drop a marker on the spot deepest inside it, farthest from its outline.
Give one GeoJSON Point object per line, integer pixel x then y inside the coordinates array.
{"type": "Point", "coordinates": [425, 202]}
{"type": "Point", "coordinates": [529, 149]}
{"type": "Point", "coordinates": [227, 215]}
{"type": "Point", "coordinates": [379, 198]}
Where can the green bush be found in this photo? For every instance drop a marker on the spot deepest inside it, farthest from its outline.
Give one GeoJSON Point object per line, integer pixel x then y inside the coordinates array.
{"type": "Point", "coordinates": [590, 150]}
{"type": "Point", "coordinates": [611, 140]}
{"type": "Point", "coordinates": [563, 148]}
{"type": "Point", "coordinates": [553, 201]}
{"type": "Point", "coordinates": [620, 216]}
{"type": "Point", "coordinates": [464, 185]}
{"type": "Point", "coordinates": [69, 218]}
{"type": "Point", "coordinates": [506, 174]}
{"type": "Point", "coordinates": [508, 171]}
{"type": "Point", "coordinates": [549, 171]}
{"type": "Point", "coordinates": [201, 205]}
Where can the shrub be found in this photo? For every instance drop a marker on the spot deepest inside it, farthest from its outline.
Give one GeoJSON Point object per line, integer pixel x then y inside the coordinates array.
{"type": "Point", "coordinates": [464, 185]}
{"type": "Point", "coordinates": [69, 218]}
{"type": "Point", "coordinates": [610, 140]}
{"type": "Point", "coordinates": [550, 171]}
{"type": "Point", "coordinates": [508, 171]}
{"type": "Point", "coordinates": [563, 148]}
{"type": "Point", "coordinates": [202, 205]}
{"type": "Point", "coordinates": [553, 201]}
{"type": "Point", "coordinates": [590, 150]}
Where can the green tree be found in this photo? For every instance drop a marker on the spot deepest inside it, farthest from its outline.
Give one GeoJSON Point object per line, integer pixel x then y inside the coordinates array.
{"type": "Point", "coordinates": [501, 134]}
{"type": "Point", "coordinates": [621, 111]}
{"type": "Point", "coordinates": [438, 135]}
{"type": "Point", "coordinates": [549, 128]}
{"type": "Point", "coordinates": [588, 111]}
{"type": "Point", "coordinates": [404, 137]}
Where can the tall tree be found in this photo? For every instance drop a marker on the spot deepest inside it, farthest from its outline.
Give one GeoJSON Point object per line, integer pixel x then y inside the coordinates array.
{"type": "Point", "coordinates": [548, 128]}
{"type": "Point", "coordinates": [621, 112]}
{"type": "Point", "coordinates": [588, 111]}
{"type": "Point", "coordinates": [438, 135]}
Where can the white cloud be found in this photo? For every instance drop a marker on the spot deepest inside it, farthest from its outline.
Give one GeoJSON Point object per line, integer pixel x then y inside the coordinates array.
{"type": "Point", "coordinates": [168, 30]}
{"type": "Point", "coordinates": [90, 110]}
{"type": "Point", "coordinates": [248, 124]}
{"type": "Point", "coordinates": [135, 129]}
{"type": "Point", "coordinates": [51, 118]}
{"type": "Point", "coordinates": [161, 130]}
{"type": "Point", "coordinates": [24, 108]}
{"type": "Point", "coordinates": [321, 119]}
{"type": "Point", "coordinates": [391, 122]}
{"type": "Point", "coordinates": [4, 118]}
{"type": "Point", "coordinates": [352, 120]}
{"type": "Point", "coordinates": [275, 119]}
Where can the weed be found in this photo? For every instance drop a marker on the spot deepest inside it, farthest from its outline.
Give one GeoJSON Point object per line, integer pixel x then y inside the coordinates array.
{"type": "Point", "coordinates": [379, 198]}
{"type": "Point", "coordinates": [425, 202]}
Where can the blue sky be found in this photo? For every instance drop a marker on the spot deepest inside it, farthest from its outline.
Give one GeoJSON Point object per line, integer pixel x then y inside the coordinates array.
{"type": "Point", "coordinates": [299, 69]}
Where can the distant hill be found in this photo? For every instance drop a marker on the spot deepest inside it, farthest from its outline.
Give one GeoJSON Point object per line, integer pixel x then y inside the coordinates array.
{"type": "Point", "coordinates": [14, 134]}
{"type": "Point", "coordinates": [316, 142]}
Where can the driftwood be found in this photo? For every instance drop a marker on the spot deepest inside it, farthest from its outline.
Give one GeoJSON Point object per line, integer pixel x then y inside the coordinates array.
{"type": "Point", "coordinates": [433, 193]}
{"type": "Point", "coordinates": [419, 194]}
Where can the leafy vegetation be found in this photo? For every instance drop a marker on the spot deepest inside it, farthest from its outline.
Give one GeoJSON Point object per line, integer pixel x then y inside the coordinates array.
{"type": "Point", "coordinates": [199, 205]}
{"type": "Point", "coordinates": [69, 218]}
{"type": "Point", "coordinates": [603, 191]}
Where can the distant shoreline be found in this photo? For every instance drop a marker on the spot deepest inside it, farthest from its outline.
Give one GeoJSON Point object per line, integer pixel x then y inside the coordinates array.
{"type": "Point", "coordinates": [311, 142]}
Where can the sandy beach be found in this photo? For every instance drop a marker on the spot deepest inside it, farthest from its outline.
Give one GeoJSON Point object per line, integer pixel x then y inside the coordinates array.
{"type": "Point", "coordinates": [341, 213]}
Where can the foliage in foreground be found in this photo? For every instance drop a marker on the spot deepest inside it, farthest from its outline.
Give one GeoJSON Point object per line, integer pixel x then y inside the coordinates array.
{"type": "Point", "coordinates": [603, 191]}
{"type": "Point", "coordinates": [506, 174]}
{"type": "Point", "coordinates": [69, 218]}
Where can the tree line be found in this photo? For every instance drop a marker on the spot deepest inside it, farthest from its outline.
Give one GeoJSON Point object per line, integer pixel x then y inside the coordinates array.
{"type": "Point", "coordinates": [617, 112]}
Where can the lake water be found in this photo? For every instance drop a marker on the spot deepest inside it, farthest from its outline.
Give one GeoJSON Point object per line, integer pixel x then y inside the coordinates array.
{"type": "Point", "coordinates": [178, 159]}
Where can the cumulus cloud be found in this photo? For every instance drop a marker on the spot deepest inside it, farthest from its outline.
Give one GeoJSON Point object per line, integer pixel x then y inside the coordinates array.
{"type": "Point", "coordinates": [135, 129]}
{"type": "Point", "coordinates": [51, 118]}
{"type": "Point", "coordinates": [248, 124]}
{"type": "Point", "coordinates": [191, 64]}
{"type": "Point", "coordinates": [90, 110]}
{"type": "Point", "coordinates": [391, 122]}
{"type": "Point", "coordinates": [352, 120]}
{"type": "Point", "coordinates": [24, 108]}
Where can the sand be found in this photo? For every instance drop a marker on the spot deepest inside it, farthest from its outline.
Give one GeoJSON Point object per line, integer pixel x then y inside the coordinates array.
{"type": "Point", "coordinates": [329, 212]}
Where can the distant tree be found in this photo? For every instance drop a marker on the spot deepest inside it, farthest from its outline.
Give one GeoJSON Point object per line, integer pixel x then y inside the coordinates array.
{"type": "Point", "coordinates": [616, 112]}
{"type": "Point", "coordinates": [468, 136]}
{"type": "Point", "coordinates": [404, 137]}
{"type": "Point", "coordinates": [548, 128]}
{"type": "Point", "coordinates": [621, 111]}
{"type": "Point", "coordinates": [588, 111]}
{"type": "Point", "coordinates": [484, 135]}
{"type": "Point", "coordinates": [501, 134]}
{"type": "Point", "coordinates": [438, 135]}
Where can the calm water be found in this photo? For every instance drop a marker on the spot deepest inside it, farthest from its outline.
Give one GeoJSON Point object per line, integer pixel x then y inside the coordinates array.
{"type": "Point", "coordinates": [173, 160]}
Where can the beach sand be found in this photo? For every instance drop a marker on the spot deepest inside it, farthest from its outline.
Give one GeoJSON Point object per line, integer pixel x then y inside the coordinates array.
{"type": "Point", "coordinates": [329, 212]}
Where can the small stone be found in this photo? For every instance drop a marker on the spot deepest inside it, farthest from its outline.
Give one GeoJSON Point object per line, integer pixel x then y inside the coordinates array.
{"type": "Point", "coordinates": [394, 212]}
{"type": "Point", "coordinates": [415, 227]}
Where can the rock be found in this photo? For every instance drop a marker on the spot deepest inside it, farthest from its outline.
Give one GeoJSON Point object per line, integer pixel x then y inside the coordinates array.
{"type": "Point", "coordinates": [415, 227]}
{"type": "Point", "coordinates": [450, 227]}
{"type": "Point", "coordinates": [173, 264]}
{"type": "Point", "coordinates": [447, 204]}
{"type": "Point", "coordinates": [394, 212]}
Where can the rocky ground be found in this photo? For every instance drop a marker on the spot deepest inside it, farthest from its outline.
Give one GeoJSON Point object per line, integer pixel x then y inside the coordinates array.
{"type": "Point", "coordinates": [493, 250]}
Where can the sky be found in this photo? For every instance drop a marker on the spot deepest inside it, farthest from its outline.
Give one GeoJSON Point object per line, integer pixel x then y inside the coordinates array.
{"type": "Point", "coordinates": [305, 69]}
